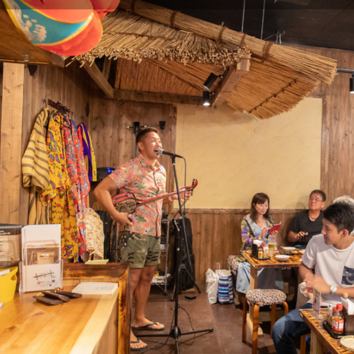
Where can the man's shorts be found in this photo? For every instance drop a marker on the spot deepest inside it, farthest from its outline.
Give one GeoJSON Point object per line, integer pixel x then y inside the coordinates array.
{"type": "Point", "coordinates": [139, 250]}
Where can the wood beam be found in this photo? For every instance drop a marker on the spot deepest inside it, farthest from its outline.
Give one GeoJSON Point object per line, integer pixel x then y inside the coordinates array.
{"type": "Point", "coordinates": [98, 77]}
{"type": "Point", "coordinates": [231, 78]}
{"type": "Point", "coordinates": [11, 142]}
{"type": "Point", "coordinates": [106, 67]}
{"type": "Point", "coordinates": [141, 96]}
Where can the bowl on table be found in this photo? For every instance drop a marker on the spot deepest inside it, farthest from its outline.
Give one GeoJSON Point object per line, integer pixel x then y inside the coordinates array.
{"type": "Point", "coordinates": [288, 250]}
{"type": "Point", "coordinates": [282, 257]}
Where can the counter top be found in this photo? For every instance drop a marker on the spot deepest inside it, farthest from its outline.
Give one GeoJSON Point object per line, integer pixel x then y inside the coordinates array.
{"type": "Point", "coordinates": [79, 326]}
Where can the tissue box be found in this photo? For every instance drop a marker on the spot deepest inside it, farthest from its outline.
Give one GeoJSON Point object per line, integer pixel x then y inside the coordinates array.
{"type": "Point", "coordinates": [348, 310]}
{"type": "Point", "coordinates": [348, 323]}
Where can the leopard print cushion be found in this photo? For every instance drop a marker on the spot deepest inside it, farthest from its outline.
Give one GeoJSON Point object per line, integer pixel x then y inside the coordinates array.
{"type": "Point", "coordinates": [265, 297]}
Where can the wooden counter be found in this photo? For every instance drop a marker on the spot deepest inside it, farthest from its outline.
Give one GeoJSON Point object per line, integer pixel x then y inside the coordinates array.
{"type": "Point", "coordinates": [91, 324]}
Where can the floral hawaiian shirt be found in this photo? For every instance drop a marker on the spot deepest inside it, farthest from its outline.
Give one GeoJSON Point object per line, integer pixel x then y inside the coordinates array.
{"type": "Point", "coordinates": [144, 181]}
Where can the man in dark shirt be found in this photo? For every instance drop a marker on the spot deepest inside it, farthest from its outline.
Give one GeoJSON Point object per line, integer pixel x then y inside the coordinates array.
{"type": "Point", "coordinates": [307, 223]}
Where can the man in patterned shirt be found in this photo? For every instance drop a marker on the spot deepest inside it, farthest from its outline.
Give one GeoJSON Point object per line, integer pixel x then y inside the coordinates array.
{"type": "Point", "coordinates": [145, 177]}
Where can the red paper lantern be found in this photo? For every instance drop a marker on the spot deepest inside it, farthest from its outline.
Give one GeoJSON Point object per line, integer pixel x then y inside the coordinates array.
{"type": "Point", "coordinates": [103, 7]}
{"type": "Point", "coordinates": [82, 42]}
{"type": "Point", "coordinates": [65, 11]}
{"type": "Point", "coordinates": [64, 27]}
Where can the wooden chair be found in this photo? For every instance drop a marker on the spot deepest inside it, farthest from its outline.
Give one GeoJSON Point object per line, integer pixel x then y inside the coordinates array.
{"type": "Point", "coordinates": [255, 299]}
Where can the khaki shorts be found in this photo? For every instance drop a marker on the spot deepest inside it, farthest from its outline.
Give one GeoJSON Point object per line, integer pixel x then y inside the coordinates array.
{"type": "Point", "coordinates": [139, 250]}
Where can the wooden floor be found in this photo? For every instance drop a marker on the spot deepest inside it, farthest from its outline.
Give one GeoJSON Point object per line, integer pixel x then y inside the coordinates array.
{"type": "Point", "coordinates": [226, 320]}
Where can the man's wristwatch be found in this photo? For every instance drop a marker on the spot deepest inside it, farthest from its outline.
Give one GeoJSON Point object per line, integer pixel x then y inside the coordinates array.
{"type": "Point", "coordinates": [333, 289]}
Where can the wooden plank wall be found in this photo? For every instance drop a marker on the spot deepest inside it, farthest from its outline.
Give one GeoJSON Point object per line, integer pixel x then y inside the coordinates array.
{"type": "Point", "coordinates": [71, 86]}
{"type": "Point", "coordinates": [217, 234]}
{"type": "Point", "coordinates": [111, 126]}
{"type": "Point", "coordinates": [10, 146]}
{"type": "Point", "coordinates": [1, 70]}
{"type": "Point", "coordinates": [337, 153]}
{"type": "Point", "coordinates": [337, 157]}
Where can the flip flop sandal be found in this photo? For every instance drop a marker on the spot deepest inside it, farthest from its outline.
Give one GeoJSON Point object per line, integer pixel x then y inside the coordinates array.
{"type": "Point", "coordinates": [151, 326]}
{"type": "Point", "coordinates": [136, 349]}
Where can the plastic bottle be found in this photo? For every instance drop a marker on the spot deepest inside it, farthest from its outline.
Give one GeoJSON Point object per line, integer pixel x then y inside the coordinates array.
{"type": "Point", "coordinates": [329, 314]}
{"type": "Point", "coordinates": [265, 251]}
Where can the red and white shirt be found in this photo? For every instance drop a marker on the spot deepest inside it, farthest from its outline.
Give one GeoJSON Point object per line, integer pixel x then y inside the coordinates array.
{"type": "Point", "coordinates": [144, 181]}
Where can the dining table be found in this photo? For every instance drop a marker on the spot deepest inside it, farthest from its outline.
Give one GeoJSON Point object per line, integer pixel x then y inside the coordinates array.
{"type": "Point", "coordinates": [321, 341]}
{"type": "Point", "coordinates": [272, 262]}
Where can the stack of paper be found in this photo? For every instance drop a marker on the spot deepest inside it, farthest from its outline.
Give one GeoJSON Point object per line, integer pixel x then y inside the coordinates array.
{"type": "Point", "coordinates": [95, 288]}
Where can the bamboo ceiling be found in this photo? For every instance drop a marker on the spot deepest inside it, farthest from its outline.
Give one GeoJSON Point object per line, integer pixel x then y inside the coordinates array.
{"type": "Point", "coordinates": [160, 50]}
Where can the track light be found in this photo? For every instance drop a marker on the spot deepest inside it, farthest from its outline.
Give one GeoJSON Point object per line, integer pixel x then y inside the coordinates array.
{"type": "Point", "coordinates": [209, 82]}
{"type": "Point", "coordinates": [351, 80]}
{"type": "Point", "coordinates": [206, 98]}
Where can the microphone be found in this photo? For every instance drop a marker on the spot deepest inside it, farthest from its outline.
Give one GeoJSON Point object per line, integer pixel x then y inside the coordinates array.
{"type": "Point", "coordinates": [160, 152]}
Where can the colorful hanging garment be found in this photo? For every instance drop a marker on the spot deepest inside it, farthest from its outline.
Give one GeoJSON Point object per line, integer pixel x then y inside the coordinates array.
{"type": "Point", "coordinates": [59, 189]}
{"type": "Point", "coordinates": [89, 153]}
{"type": "Point", "coordinates": [78, 175]}
{"type": "Point", "coordinates": [35, 169]}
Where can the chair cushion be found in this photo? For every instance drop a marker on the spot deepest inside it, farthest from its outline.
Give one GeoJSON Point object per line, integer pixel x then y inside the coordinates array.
{"type": "Point", "coordinates": [264, 297]}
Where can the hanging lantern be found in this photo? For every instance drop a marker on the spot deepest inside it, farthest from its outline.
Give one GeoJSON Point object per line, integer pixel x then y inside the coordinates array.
{"type": "Point", "coordinates": [103, 7]}
{"type": "Point", "coordinates": [59, 26]}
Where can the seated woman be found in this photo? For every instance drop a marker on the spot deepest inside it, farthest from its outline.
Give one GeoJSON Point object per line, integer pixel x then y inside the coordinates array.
{"type": "Point", "coordinates": [256, 225]}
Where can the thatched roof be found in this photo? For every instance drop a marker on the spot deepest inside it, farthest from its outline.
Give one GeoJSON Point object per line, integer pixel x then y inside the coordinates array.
{"type": "Point", "coordinates": [132, 37]}
{"type": "Point", "coordinates": [160, 50]}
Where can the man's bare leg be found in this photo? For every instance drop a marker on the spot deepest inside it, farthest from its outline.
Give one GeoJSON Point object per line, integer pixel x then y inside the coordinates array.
{"type": "Point", "coordinates": [142, 292]}
{"type": "Point", "coordinates": [134, 279]}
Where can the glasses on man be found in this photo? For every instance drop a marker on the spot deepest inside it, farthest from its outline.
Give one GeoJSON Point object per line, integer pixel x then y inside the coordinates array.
{"type": "Point", "coordinates": [316, 199]}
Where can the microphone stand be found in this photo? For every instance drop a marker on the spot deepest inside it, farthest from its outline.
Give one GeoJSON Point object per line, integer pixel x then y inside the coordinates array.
{"type": "Point", "coordinates": [175, 331]}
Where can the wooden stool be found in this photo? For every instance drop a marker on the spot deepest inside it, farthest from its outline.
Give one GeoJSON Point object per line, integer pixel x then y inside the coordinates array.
{"type": "Point", "coordinates": [257, 298]}
{"type": "Point", "coordinates": [303, 344]}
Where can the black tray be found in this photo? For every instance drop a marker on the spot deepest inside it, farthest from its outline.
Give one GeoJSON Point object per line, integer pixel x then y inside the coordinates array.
{"type": "Point", "coordinates": [328, 328]}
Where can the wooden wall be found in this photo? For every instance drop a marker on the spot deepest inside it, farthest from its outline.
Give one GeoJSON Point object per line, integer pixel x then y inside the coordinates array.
{"type": "Point", "coordinates": [337, 153]}
{"type": "Point", "coordinates": [111, 125]}
{"type": "Point", "coordinates": [337, 160]}
{"type": "Point", "coordinates": [217, 234]}
{"type": "Point", "coordinates": [72, 87]}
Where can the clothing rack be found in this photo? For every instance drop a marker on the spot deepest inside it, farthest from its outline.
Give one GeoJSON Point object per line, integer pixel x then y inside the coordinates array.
{"type": "Point", "coordinates": [58, 106]}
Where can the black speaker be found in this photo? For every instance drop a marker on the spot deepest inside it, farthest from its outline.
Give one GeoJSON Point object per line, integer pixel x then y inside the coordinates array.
{"type": "Point", "coordinates": [103, 172]}
{"type": "Point", "coordinates": [187, 267]}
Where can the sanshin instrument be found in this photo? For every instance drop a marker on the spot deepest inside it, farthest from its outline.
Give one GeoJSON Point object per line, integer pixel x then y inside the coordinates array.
{"type": "Point", "coordinates": [127, 202]}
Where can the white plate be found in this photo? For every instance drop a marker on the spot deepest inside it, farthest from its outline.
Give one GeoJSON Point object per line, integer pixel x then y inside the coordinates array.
{"type": "Point", "coordinates": [347, 342]}
{"type": "Point", "coordinates": [282, 257]}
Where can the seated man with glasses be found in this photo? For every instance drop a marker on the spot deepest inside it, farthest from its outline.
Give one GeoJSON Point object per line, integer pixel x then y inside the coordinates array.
{"type": "Point", "coordinates": [307, 223]}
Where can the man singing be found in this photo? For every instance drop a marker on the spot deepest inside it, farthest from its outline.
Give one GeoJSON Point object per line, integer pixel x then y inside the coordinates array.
{"type": "Point", "coordinates": [145, 177]}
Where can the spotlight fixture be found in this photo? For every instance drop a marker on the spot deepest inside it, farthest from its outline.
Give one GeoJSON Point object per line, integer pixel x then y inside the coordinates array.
{"type": "Point", "coordinates": [209, 82]}
{"type": "Point", "coordinates": [351, 80]}
{"type": "Point", "coordinates": [206, 98]}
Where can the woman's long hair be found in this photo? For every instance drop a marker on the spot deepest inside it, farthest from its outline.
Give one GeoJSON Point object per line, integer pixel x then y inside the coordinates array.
{"type": "Point", "coordinates": [259, 198]}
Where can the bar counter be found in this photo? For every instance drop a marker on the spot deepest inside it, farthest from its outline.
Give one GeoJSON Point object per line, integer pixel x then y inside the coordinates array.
{"type": "Point", "coordinates": [90, 324]}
